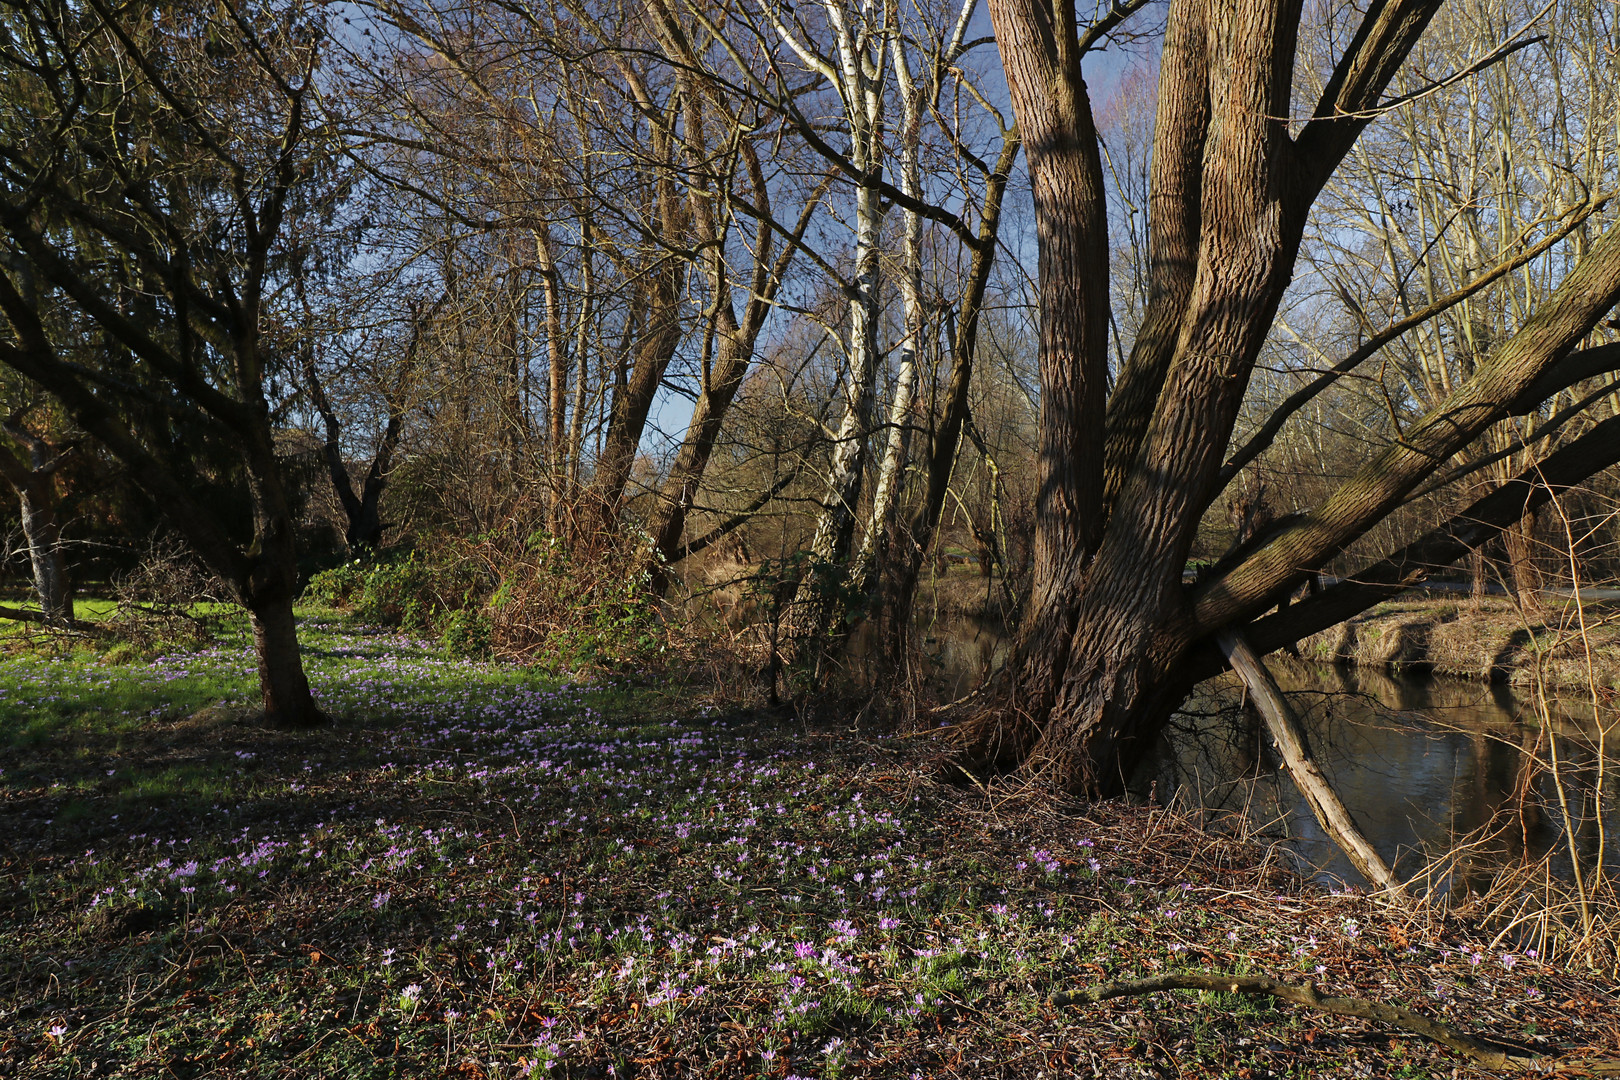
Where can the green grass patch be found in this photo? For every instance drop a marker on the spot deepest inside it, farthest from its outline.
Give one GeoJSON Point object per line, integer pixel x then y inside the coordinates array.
{"type": "Point", "coordinates": [484, 870]}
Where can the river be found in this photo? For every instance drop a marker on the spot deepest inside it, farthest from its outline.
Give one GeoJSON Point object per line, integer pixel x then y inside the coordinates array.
{"type": "Point", "coordinates": [1420, 762]}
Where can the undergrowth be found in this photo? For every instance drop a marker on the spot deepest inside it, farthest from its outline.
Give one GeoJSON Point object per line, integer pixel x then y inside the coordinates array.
{"type": "Point", "coordinates": [486, 870]}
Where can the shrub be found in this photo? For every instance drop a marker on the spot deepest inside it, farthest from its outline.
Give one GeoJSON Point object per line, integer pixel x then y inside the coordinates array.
{"type": "Point", "coordinates": [520, 595]}
{"type": "Point", "coordinates": [412, 591]}
{"type": "Point", "coordinates": [468, 634]}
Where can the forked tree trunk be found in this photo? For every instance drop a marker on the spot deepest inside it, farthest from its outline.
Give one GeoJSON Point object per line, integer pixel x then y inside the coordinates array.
{"type": "Point", "coordinates": [1113, 638]}
{"type": "Point", "coordinates": [633, 396]}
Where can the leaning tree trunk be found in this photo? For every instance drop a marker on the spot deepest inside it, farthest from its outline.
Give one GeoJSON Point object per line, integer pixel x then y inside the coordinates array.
{"type": "Point", "coordinates": [946, 436]}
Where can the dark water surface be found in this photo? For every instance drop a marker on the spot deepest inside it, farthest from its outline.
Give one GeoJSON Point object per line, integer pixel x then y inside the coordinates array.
{"type": "Point", "coordinates": [1420, 762]}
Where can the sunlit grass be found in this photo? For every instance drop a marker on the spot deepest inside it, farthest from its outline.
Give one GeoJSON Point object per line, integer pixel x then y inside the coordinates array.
{"type": "Point", "coordinates": [484, 870]}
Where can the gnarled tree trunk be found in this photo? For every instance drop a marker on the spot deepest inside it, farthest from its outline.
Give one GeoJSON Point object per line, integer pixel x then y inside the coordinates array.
{"type": "Point", "coordinates": [1113, 637]}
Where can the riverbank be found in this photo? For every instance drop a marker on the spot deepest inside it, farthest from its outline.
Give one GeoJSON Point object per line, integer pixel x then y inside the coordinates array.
{"type": "Point", "coordinates": [483, 872]}
{"type": "Point", "coordinates": [1490, 640]}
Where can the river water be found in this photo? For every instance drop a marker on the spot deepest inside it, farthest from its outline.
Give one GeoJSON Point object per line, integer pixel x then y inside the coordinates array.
{"type": "Point", "coordinates": [1421, 763]}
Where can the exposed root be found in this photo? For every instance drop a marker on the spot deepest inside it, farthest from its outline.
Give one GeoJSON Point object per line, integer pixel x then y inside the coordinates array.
{"type": "Point", "coordinates": [986, 739]}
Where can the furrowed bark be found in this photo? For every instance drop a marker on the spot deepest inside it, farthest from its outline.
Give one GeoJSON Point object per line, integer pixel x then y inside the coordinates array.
{"type": "Point", "coordinates": [1174, 207]}
{"type": "Point", "coordinates": [284, 688]}
{"type": "Point", "coordinates": [1041, 60]}
{"type": "Point", "coordinates": [1588, 292]}
{"type": "Point", "coordinates": [1095, 669]}
{"type": "Point", "coordinates": [1467, 531]}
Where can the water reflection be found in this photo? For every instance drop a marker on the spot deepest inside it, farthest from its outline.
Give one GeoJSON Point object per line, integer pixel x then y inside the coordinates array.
{"type": "Point", "coordinates": [1421, 764]}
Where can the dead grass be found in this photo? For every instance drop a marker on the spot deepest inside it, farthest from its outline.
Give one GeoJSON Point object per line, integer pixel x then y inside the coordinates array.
{"type": "Point", "coordinates": [1489, 640]}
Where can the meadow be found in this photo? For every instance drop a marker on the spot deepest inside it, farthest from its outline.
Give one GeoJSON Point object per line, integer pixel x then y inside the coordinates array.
{"type": "Point", "coordinates": [483, 870]}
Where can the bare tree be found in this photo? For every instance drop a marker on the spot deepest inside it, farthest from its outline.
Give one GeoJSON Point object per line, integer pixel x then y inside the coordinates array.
{"type": "Point", "coordinates": [1114, 636]}
{"type": "Point", "coordinates": [1470, 176]}
{"type": "Point", "coordinates": [29, 462]}
{"type": "Point", "coordinates": [165, 248]}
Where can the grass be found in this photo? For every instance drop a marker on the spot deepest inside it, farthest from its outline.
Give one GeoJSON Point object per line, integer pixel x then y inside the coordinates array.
{"type": "Point", "coordinates": [481, 871]}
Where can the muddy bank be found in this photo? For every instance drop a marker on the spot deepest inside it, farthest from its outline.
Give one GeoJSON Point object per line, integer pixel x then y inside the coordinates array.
{"type": "Point", "coordinates": [1491, 640]}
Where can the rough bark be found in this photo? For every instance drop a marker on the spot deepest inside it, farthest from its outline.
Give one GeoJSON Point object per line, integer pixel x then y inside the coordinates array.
{"type": "Point", "coordinates": [284, 689]}
{"type": "Point", "coordinates": [1520, 541]}
{"type": "Point", "coordinates": [1112, 634]}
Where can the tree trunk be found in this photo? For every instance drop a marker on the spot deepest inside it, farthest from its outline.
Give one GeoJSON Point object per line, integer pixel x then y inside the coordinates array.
{"type": "Point", "coordinates": [557, 381]}
{"type": "Point", "coordinates": [1324, 802]}
{"type": "Point", "coordinates": [34, 483]}
{"type": "Point", "coordinates": [873, 555]}
{"type": "Point", "coordinates": [814, 609]}
{"type": "Point", "coordinates": [43, 533]}
{"type": "Point", "coordinates": [633, 398]}
{"type": "Point", "coordinates": [692, 461]}
{"type": "Point", "coordinates": [283, 686]}
{"type": "Point", "coordinates": [1520, 541]}
{"type": "Point", "coordinates": [1102, 658]}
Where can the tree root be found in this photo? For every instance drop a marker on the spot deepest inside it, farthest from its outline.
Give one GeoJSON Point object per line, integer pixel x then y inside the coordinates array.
{"type": "Point", "coordinates": [1483, 1052]}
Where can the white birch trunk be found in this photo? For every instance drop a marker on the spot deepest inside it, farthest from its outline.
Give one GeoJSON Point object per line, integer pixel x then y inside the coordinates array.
{"type": "Point", "coordinates": [891, 474]}
{"type": "Point", "coordinates": [860, 76]}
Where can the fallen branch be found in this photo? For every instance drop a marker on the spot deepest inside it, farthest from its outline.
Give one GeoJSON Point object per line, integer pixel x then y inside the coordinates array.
{"type": "Point", "coordinates": [1489, 1054]}
{"type": "Point", "coordinates": [38, 619]}
{"type": "Point", "coordinates": [1330, 811]}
